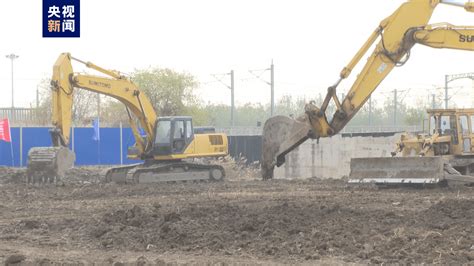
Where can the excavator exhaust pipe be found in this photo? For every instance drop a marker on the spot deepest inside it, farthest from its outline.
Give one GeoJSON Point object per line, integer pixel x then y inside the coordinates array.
{"type": "Point", "coordinates": [49, 164]}
{"type": "Point", "coordinates": [280, 135]}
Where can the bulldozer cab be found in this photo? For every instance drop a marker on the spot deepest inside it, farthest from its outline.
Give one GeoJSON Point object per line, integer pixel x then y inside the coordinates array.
{"type": "Point", "coordinates": [173, 134]}
{"type": "Point", "coordinates": [456, 123]}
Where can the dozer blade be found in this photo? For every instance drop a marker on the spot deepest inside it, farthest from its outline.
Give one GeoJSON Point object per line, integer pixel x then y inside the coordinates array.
{"type": "Point", "coordinates": [398, 170]}
{"type": "Point", "coordinates": [281, 134]}
{"type": "Point", "coordinates": [48, 164]}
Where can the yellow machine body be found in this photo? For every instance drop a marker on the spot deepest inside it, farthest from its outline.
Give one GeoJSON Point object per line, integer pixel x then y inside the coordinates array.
{"type": "Point", "coordinates": [448, 132]}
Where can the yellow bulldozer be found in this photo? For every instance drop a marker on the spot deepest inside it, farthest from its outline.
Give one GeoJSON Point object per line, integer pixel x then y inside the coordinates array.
{"type": "Point", "coordinates": [443, 153]}
{"type": "Point", "coordinates": [393, 40]}
{"type": "Point", "coordinates": [168, 148]}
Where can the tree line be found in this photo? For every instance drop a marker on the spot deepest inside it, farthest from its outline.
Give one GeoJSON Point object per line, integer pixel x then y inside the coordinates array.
{"type": "Point", "coordinates": [173, 93]}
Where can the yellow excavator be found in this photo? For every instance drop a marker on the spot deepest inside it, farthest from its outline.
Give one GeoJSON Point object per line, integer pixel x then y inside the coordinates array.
{"type": "Point", "coordinates": [167, 149]}
{"type": "Point", "coordinates": [396, 35]}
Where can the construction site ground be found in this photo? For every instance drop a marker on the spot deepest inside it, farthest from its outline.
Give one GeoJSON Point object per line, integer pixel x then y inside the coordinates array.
{"type": "Point", "coordinates": [239, 221]}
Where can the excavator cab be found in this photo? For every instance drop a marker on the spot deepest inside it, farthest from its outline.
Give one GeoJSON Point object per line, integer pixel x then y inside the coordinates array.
{"type": "Point", "coordinates": [173, 135]}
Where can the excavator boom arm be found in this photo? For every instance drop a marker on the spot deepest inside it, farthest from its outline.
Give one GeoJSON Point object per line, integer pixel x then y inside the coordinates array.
{"type": "Point", "coordinates": [446, 36]}
{"type": "Point", "coordinates": [64, 82]}
{"type": "Point", "coordinates": [399, 32]}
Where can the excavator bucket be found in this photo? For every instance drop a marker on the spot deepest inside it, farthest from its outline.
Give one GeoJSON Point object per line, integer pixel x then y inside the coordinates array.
{"type": "Point", "coordinates": [281, 134]}
{"type": "Point", "coordinates": [48, 164]}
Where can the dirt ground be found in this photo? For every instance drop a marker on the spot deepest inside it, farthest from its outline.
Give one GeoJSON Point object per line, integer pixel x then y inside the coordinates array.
{"type": "Point", "coordinates": [232, 222]}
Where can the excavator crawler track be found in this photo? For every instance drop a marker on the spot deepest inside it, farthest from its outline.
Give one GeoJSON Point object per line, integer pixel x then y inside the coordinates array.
{"type": "Point", "coordinates": [165, 172]}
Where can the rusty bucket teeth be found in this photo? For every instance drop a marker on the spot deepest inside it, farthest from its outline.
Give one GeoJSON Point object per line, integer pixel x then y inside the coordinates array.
{"type": "Point", "coordinates": [48, 164]}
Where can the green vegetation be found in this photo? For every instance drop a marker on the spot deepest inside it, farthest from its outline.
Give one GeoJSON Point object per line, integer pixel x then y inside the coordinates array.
{"type": "Point", "coordinates": [173, 93]}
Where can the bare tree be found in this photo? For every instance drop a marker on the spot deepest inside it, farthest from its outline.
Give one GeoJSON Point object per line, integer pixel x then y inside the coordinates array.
{"type": "Point", "coordinates": [84, 105]}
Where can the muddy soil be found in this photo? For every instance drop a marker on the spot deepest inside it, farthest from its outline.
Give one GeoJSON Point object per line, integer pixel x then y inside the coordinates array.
{"type": "Point", "coordinates": [232, 222]}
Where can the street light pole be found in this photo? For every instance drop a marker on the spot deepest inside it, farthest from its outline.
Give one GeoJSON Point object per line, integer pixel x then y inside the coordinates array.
{"type": "Point", "coordinates": [12, 57]}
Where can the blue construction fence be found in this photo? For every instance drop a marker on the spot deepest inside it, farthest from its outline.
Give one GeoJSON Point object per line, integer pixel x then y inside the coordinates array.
{"type": "Point", "coordinates": [104, 152]}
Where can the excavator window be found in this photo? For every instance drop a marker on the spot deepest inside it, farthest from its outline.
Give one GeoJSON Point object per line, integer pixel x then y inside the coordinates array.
{"type": "Point", "coordinates": [179, 130]}
{"type": "Point", "coordinates": [445, 125]}
{"type": "Point", "coordinates": [472, 123]}
{"type": "Point", "coordinates": [463, 124]}
{"type": "Point", "coordinates": [163, 131]}
{"type": "Point", "coordinates": [178, 139]}
{"type": "Point", "coordinates": [189, 130]}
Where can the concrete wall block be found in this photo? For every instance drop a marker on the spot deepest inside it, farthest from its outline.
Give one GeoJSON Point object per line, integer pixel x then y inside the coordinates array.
{"type": "Point", "coordinates": [331, 157]}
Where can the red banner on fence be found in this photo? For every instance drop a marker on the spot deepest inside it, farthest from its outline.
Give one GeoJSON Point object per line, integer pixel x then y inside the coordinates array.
{"type": "Point", "coordinates": [5, 130]}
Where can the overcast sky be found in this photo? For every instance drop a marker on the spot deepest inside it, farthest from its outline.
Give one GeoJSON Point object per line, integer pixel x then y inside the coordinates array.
{"type": "Point", "coordinates": [310, 42]}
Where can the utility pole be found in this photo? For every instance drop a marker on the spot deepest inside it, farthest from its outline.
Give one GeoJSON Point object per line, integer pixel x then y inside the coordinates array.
{"type": "Point", "coordinates": [395, 107]}
{"type": "Point", "coordinates": [370, 110]}
{"type": "Point", "coordinates": [446, 91]}
{"type": "Point", "coordinates": [272, 86]}
{"type": "Point", "coordinates": [271, 83]}
{"type": "Point", "coordinates": [232, 104]}
{"type": "Point", "coordinates": [231, 87]}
